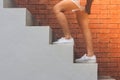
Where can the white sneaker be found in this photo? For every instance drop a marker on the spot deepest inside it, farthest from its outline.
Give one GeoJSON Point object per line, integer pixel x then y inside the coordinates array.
{"type": "Point", "coordinates": [64, 41]}
{"type": "Point", "coordinates": [86, 59]}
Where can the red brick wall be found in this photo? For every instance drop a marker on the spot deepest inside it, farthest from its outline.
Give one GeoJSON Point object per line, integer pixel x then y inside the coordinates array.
{"type": "Point", "coordinates": [104, 24]}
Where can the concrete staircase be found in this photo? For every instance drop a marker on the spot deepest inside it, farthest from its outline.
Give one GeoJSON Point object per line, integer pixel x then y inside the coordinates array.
{"type": "Point", "coordinates": [26, 52]}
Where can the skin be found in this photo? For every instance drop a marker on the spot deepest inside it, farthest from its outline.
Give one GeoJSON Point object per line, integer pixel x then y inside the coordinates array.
{"type": "Point", "coordinates": [82, 19]}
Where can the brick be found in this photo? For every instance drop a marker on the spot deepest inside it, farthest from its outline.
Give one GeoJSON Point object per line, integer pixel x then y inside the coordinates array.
{"type": "Point", "coordinates": [22, 2]}
{"type": "Point", "coordinates": [37, 1]}
{"type": "Point", "coordinates": [117, 55]}
{"type": "Point", "coordinates": [114, 1]}
{"type": "Point", "coordinates": [112, 26]}
{"type": "Point", "coordinates": [101, 1]}
{"type": "Point", "coordinates": [103, 62]}
{"type": "Point", "coordinates": [113, 7]}
{"type": "Point", "coordinates": [101, 32]}
{"type": "Point", "coordinates": [114, 45]}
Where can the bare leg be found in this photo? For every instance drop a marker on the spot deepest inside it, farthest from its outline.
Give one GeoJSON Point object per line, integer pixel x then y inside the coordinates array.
{"type": "Point", "coordinates": [59, 12]}
{"type": "Point", "coordinates": [82, 18]}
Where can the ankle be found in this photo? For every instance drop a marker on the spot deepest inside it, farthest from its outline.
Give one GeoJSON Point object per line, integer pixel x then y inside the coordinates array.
{"type": "Point", "coordinates": [89, 55]}
{"type": "Point", "coordinates": [68, 37]}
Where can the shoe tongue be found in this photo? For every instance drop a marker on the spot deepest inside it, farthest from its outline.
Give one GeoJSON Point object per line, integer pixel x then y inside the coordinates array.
{"type": "Point", "coordinates": [67, 38]}
{"type": "Point", "coordinates": [85, 55]}
{"type": "Point", "coordinates": [62, 38]}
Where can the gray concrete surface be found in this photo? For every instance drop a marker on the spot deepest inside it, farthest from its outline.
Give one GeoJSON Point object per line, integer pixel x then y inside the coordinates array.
{"type": "Point", "coordinates": [26, 52]}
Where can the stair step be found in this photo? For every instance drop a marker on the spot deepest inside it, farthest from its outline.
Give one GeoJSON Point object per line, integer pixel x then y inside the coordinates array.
{"type": "Point", "coordinates": [1, 4]}
{"type": "Point", "coordinates": [13, 16]}
{"type": "Point", "coordinates": [106, 78]}
{"type": "Point", "coordinates": [21, 14]}
{"type": "Point", "coordinates": [84, 71]}
{"type": "Point", "coordinates": [62, 52]}
{"type": "Point", "coordinates": [7, 3]}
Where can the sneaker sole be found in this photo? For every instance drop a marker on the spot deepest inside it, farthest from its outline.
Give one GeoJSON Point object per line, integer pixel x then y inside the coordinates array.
{"type": "Point", "coordinates": [64, 43]}
{"type": "Point", "coordinates": [87, 61]}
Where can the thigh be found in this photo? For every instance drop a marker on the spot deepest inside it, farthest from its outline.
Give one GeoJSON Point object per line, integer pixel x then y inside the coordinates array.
{"type": "Point", "coordinates": [82, 17]}
{"type": "Point", "coordinates": [66, 5]}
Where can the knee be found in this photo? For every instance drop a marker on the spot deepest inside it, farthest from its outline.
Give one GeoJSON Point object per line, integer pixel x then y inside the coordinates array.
{"type": "Point", "coordinates": [57, 9]}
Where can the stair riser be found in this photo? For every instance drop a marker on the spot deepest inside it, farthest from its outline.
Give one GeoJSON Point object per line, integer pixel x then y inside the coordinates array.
{"type": "Point", "coordinates": [6, 3]}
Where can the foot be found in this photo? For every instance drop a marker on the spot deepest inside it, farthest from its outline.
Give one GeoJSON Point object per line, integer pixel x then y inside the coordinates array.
{"type": "Point", "coordinates": [86, 59]}
{"type": "Point", "coordinates": [64, 41]}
